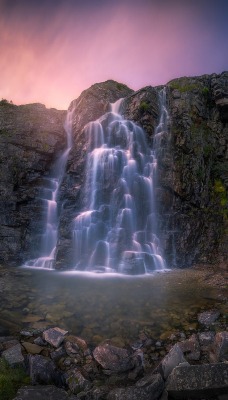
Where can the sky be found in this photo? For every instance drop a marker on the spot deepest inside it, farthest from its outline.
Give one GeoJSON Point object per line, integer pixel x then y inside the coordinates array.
{"type": "Point", "coordinates": [52, 50]}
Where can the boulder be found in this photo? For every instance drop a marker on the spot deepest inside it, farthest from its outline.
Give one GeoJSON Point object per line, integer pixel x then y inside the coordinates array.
{"type": "Point", "coordinates": [39, 392]}
{"type": "Point", "coordinates": [206, 338]}
{"type": "Point", "coordinates": [198, 381]}
{"type": "Point", "coordinates": [113, 358]}
{"type": "Point", "coordinates": [13, 355]}
{"type": "Point", "coordinates": [54, 336]}
{"type": "Point", "coordinates": [148, 388]}
{"type": "Point", "coordinates": [42, 370]}
{"type": "Point", "coordinates": [32, 348]}
{"type": "Point", "coordinates": [170, 361]}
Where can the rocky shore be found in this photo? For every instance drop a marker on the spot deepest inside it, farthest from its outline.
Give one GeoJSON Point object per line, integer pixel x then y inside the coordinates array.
{"type": "Point", "coordinates": [63, 366]}
{"type": "Point", "coordinates": [59, 365]}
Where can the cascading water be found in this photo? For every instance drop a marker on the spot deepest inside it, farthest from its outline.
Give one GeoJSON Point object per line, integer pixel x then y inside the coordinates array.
{"type": "Point", "coordinates": [48, 195]}
{"type": "Point", "coordinates": [118, 230]}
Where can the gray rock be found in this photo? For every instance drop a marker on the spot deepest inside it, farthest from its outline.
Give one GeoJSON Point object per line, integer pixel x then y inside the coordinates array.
{"type": "Point", "coordinates": [113, 358]}
{"type": "Point", "coordinates": [43, 393]}
{"type": "Point", "coordinates": [198, 381]}
{"type": "Point", "coordinates": [13, 355]}
{"type": "Point", "coordinates": [148, 388]}
{"type": "Point", "coordinates": [39, 341]}
{"type": "Point", "coordinates": [170, 361]}
{"type": "Point", "coordinates": [207, 318]}
{"type": "Point", "coordinates": [54, 336]}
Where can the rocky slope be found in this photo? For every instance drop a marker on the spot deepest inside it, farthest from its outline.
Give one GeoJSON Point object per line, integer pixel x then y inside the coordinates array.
{"type": "Point", "coordinates": [192, 164]}
{"type": "Point", "coordinates": [31, 136]}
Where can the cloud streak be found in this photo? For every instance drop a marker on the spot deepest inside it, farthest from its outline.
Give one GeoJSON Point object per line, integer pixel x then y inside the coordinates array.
{"type": "Point", "coordinates": [51, 52]}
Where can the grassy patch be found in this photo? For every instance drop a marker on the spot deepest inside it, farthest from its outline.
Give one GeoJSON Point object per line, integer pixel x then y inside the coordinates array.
{"type": "Point", "coordinates": [144, 106]}
{"type": "Point", "coordinates": [11, 379]}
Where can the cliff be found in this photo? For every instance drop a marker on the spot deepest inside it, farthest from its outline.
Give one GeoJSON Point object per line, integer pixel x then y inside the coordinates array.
{"type": "Point", "coordinates": [192, 167]}
{"type": "Point", "coordinates": [31, 136]}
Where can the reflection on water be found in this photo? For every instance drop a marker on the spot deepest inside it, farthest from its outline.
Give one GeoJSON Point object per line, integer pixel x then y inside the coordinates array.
{"type": "Point", "coordinates": [98, 307]}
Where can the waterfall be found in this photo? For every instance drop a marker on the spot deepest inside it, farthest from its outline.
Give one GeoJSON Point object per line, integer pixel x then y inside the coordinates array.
{"type": "Point", "coordinates": [49, 196]}
{"type": "Point", "coordinates": [118, 231]}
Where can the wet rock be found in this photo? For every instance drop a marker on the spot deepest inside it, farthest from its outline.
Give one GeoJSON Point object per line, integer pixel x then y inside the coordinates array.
{"type": "Point", "coordinates": [191, 348]}
{"type": "Point", "coordinates": [76, 381]}
{"type": "Point", "coordinates": [219, 349]}
{"type": "Point", "coordinates": [147, 388]}
{"type": "Point", "coordinates": [39, 341]}
{"type": "Point", "coordinates": [58, 354]}
{"type": "Point", "coordinates": [42, 370]}
{"type": "Point", "coordinates": [113, 358]}
{"type": "Point", "coordinates": [26, 333]}
{"type": "Point", "coordinates": [170, 361]}
{"type": "Point", "coordinates": [207, 318]}
{"type": "Point", "coordinates": [54, 336]}
{"type": "Point", "coordinates": [32, 348]}
{"type": "Point", "coordinates": [198, 381]}
{"type": "Point", "coordinates": [10, 343]}
{"type": "Point", "coordinates": [43, 393]}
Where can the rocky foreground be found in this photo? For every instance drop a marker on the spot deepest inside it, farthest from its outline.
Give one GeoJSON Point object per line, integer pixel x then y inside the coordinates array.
{"type": "Point", "coordinates": [62, 366]}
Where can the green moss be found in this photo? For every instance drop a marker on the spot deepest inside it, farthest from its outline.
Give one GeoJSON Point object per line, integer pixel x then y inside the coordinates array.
{"type": "Point", "coordinates": [183, 85]}
{"type": "Point", "coordinates": [144, 106]}
{"type": "Point", "coordinates": [11, 379]}
{"type": "Point", "coordinates": [121, 86]}
{"type": "Point", "coordinates": [220, 191]}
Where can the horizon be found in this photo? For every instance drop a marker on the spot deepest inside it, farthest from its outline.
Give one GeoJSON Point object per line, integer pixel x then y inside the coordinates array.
{"type": "Point", "coordinates": [55, 49]}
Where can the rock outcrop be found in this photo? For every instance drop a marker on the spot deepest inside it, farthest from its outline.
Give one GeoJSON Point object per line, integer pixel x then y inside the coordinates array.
{"type": "Point", "coordinates": [192, 167]}
{"type": "Point", "coordinates": [192, 164]}
{"type": "Point", "coordinates": [31, 137]}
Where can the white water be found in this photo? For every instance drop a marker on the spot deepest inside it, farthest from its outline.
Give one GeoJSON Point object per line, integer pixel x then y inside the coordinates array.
{"type": "Point", "coordinates": [118, 229]}
{"type": "Point", "coordinates": [48, 196]}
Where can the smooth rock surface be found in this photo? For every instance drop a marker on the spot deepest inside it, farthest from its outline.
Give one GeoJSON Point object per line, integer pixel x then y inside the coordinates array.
{"type": "Point", "coordinates": [170, 361]}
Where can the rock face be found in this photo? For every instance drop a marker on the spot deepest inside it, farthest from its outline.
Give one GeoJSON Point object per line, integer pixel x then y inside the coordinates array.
{"type": "Point", "coordinates": [192, 164]}
{"type": "Point", "coordinates": [31, 136]}
{"type": "Point", "coordinates": [192, 167]}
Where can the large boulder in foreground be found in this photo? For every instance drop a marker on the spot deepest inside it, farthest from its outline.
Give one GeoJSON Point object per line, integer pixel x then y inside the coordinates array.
{"type": "Point", "coordinates": [198, 381]}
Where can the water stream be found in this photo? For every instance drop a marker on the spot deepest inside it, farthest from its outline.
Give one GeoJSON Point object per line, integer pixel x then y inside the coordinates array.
{"type": "Point", "coordinates": [117, 231]}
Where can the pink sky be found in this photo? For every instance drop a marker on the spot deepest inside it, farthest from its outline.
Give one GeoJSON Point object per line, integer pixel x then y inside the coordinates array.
{"type": "Point", "coordinates": [51, 52]}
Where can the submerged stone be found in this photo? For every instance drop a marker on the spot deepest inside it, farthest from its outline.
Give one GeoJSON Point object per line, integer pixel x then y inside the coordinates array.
{"type": "Point", "coordinates": [39, 392]}
{"type": "Point", "coordinates": [207, 318]}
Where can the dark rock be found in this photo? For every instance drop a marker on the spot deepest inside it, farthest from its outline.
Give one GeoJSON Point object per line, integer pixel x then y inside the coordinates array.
{"type": "Point", "coordinates": [39, 341]}
{"type": "Point", "coordinates": [43, 393]}
{"type": "Point", "coordinates": [207, 318]}
{"type": "Point", "coordinates": [58, 353]}
{"type": "Point", "coordinates": [198, 381]}
{"type": "Point", "coordinates": [113, 358]}
{"type": "Point", "coordinates": [54, 336]}
{"type": "Point", "coordinates": [32, 348]}
{"type": "Point", "coordinates": [13, 356]}
{"type": "Point", "coordinates": [42, 370]}
{"type": "Point", "coordinates": [31, 136]}
{"type": "Point", "coordinates": [147, 388]}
